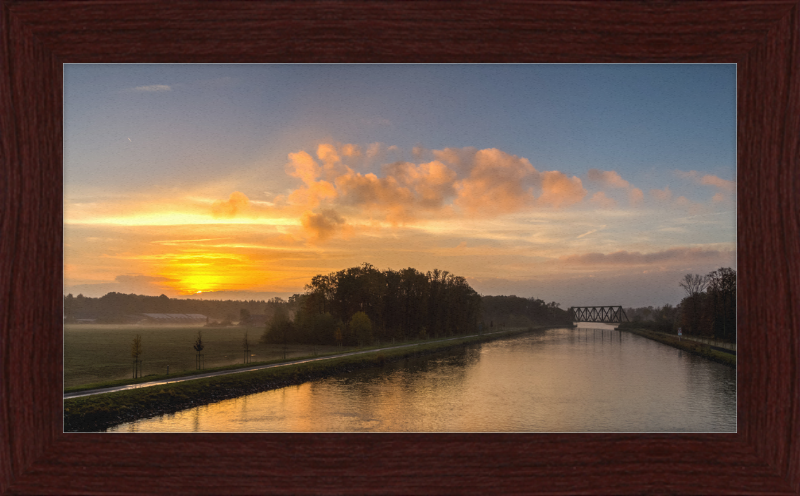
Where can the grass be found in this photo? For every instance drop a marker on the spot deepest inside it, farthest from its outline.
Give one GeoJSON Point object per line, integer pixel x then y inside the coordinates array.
{"type": "Point", "coordinates": [99, 355]}
{"type": "Point", "coordinates": [695, 347]}
{"type": "Point", "coordinates": [98, 412]}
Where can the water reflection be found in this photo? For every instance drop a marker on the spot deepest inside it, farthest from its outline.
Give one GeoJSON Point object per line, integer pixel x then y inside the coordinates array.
{"type": "Point", "coordinates": [559, 380]}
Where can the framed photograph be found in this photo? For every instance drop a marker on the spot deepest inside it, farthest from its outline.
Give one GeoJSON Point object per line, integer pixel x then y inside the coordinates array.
{"type": "Point", "coordinates": [42, 41]}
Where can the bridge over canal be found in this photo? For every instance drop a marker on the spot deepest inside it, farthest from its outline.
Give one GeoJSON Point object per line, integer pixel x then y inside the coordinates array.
{"type": "Point", "coordinates": [607, 314]}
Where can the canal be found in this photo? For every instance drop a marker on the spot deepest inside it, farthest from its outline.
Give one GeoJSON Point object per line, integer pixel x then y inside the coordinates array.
{"type": "Point", "coordinates": [558, 380]}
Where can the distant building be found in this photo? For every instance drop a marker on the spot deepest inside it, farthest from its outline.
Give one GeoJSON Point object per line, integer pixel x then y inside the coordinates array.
{"type": "Point", "coordinates": [173, 318]}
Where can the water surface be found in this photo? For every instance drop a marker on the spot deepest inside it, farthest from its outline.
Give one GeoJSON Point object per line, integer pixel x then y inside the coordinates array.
{"type": "Point", "coordinates": [558, 380]}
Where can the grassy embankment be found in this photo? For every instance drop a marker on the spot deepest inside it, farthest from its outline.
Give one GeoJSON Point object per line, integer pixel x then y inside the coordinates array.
{"type": "Point", "coordinates": [97, 356]}
{"type": "Point", "coordinates": [694, 347]}
{"type": "Point", "coordinates": [99, 412]}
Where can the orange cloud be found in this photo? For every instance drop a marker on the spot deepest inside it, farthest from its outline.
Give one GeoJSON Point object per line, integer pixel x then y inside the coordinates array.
{"type": "Point", "coordinates": [349, 150]}
{"type": "Point", "coordinates": [559, 190]}
{"type": "Point", "coordinates": [635, 196]}
{"type": "Point", "coordinates": [313, 194]}
{"type": "Point", "coordinates": [461, 159]}
{"type": "Point", "coordinates": [496, 184]}
{"type": "Point", "coordinates": [231, 207]}
{"type": "Point", "coordinates": [601, 200]}
{"type": "Point", "coordinates": [709, 180]}
{"type": "Point", "coordinates": [663, 195]}
{"type": "Point", "coordinates": [485, 182]}
{"type": "Point", "coordinates": [432, 182]}
{"type": "Point", "coordinates": [323, 225]}
{"type": "Point", "coordinates": [303, 166]}
{"type": "Point", "coordinates": [611, 179]}
{"type": "Point", "coordinates": [368, 190]}
{"type": "Point", "coordinates": [717, 182]}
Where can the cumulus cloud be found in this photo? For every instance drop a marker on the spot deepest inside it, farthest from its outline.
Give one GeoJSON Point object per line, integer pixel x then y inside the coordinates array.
{"type": "Point", "coordinates": [496, 184]}
{"type": "Point", "coordinates": [609, 179]}
{"type": "Point", "coordinates": [323, 225]}
{"type": "Point", "coordinates": [635, 196]}
{"type": "Point", "coordinates": [432, 182]}
{"type": "Point", "coordinates": [724, 187]}
{"type": "Point", "coordinates": [673, 255]}
{"type": "Point", "coordinates": [482, 183]}
{"type": "Point", "coordinates": [663, 195]}
{"type": "Point", "coordinates": [459, 159]}
{"type": "Point", "coordinates": [601, 200]}
{"type": "Point", "coordinates": [350, 150]}
{"type": "Point", "coordinates": [708, 180]}
{"type": "Point", "coordinates": [303, 166]}
{"type": "Point", "coordinates": [371, 192]}
{"type": "Point", "coordinates": [230, 207]}
{"type": "Point", "coordinates": [612, 179]}
{"type": "Point", "coordinates": [559, 190]}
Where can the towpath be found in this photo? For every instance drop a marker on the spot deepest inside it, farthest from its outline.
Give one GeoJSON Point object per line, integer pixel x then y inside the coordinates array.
{"type": "Point", "coordinates": [91, 392]}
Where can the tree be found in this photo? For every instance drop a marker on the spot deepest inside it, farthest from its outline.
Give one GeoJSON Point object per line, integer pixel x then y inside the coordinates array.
{"type": "Point", "coordinates": [694, 285]}
{"type": "Point", "coordinates": [361, 327]}
{"type": "Point", "coordinates": [722, 303]}
{"type": "Point", "coordinates": [136, 352]}
{"type": "Point", "coordinates": [279, 328]}
{"type": "Point", "coordinates": [246, 348]}
{"type": "Point", "coordinates": [198, 347]}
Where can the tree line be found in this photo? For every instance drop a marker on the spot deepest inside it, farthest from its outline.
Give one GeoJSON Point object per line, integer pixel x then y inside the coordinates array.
{"type": "Point", "coordinates": [514, 311]}
{"type": "Point", "coordinates": [114, 307]}
{"type": "Point", "coordinates": [707, 310]}
{"type": "Point", "coordinates": [362, 304]}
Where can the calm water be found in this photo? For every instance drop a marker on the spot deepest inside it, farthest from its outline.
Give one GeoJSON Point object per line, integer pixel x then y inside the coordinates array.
{"type": "Point", "coordinates": [559, 380]}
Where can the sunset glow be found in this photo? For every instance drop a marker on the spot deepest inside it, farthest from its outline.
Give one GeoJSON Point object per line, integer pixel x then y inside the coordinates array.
{"type": "Point", "coordinates": [584, 184]}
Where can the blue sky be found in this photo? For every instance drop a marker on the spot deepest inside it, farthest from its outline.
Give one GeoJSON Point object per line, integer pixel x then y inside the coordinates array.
{"type": "Point", "coordinates": [646, 151]}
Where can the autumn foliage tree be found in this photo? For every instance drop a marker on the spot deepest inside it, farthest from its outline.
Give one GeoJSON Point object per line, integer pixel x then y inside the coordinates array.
{"type": "Point", "coordinates": [361, 327]}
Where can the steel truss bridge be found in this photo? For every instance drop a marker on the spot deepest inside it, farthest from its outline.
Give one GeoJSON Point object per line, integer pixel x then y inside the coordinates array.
{"type": "Point", "coordinates": [610, 315]}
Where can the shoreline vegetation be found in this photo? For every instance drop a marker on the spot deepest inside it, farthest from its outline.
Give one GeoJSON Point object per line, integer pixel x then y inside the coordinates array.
{"type": "Point", "coordinates": [694, 347]}
{"type": "Point", "coordinates": [100, 412]}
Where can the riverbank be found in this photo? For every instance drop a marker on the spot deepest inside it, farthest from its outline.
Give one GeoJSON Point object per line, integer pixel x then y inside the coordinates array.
{"type": "Point", "coordinates": [693, 347]}
{"type": "Point", "coordinates": [98, 413]}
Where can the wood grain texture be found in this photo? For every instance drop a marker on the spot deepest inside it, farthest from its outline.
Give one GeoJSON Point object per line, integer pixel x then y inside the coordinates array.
{"type": "Point", "coordinates": [39, 36]}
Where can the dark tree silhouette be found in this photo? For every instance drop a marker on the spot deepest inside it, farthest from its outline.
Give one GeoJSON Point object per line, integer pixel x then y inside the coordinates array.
{"type": "Point", "coordinates": [246, 348]}
{"type": "Point", "coordinates": [198, 347]}
{"type": "Point", "coordinates": [136, 352]}
{"type": "Point", "coordinates": [693, 284]}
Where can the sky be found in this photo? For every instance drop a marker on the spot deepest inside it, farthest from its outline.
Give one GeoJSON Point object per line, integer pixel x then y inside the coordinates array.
{"type": "Point", "coordinates": [584, 184]}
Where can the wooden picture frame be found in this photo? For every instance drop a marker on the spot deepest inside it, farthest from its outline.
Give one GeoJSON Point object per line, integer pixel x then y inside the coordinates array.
{"type": "Point", "coordinates": [763, 38]}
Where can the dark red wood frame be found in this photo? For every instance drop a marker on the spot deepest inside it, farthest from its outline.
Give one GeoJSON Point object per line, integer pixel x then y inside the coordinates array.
{"type": "Point", "coordinates": [39, 36]}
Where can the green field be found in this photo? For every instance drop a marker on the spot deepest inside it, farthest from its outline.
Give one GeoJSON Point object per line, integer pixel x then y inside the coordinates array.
{"type": "Point", "coordinates": [98, 353]}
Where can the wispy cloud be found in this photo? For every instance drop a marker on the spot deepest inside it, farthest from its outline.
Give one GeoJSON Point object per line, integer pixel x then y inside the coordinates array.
{"type": "Point", "coordinates": [612, 179]}
{"type": "Point", "coordinates": [622, 257]}
{"type": "Point", "coordinates": [720, 184]}
{"type": "Point", "coordinates": [153, 88]}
